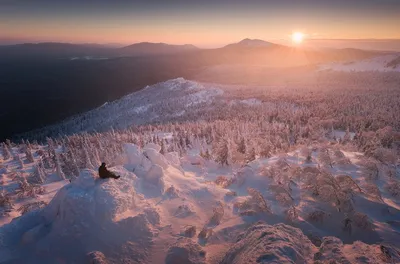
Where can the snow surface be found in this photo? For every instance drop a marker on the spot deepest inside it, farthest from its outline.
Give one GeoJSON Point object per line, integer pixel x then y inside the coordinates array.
{"type": "Point", "coordinates": [143, 216]}
{"type": "Point", "coordinates": [162, 101]}
{"type": "Point", "coordinates": [379, 64]}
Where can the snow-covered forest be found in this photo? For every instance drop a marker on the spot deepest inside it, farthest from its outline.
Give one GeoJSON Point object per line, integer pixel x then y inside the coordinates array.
{"type": "Point", "coordinates": [305, 172]}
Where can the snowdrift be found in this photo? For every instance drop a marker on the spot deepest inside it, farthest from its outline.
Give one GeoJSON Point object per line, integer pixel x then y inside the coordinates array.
{"type": "Point", "coordinates": [280, 243]}
{"type": "Point", "coordinates": [90, 214]}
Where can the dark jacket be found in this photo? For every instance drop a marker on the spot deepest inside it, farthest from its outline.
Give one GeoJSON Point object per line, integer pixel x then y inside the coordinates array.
{"type": "Point", "coordinates": [104, 173]}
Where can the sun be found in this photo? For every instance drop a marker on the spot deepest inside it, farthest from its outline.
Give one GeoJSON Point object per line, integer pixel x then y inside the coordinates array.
{"type": "Point", "coordinates": [297, 37]}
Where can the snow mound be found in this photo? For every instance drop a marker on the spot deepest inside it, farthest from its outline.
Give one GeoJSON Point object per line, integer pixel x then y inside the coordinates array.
{"type": "Point", "coordinates": [264, 243]}
{"type": "Point", "coordinates": [156, 147]}
{"type": "Point", "coordinates": [185, 251]}
{"type": "Point", "coordinates": [173, 158]}
{"type": "Point", "coordinates": [156, 158]}
{"type": "Point", "coordinates": [90, 214]}
{"type": "Point", "coordinates": [195, 159]}
{"type": "Point", "coordinates": [155, 178]}
{"type": "Point", "coordinates": [134, 157]}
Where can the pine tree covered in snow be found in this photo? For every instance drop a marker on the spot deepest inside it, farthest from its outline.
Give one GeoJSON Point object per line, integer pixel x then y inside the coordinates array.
{"type": "Point", "coordinates": [59, 171]}
{"type": "Point", "coordinates": [221, 152]}
{"type": "Point", "coordinates": [28, 155]}
{"type": "Point", "coordinates": [6, 151]}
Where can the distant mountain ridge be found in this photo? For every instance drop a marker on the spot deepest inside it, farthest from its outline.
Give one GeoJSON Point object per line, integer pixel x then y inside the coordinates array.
{"type": "Point", "coordinates": [150, 48]}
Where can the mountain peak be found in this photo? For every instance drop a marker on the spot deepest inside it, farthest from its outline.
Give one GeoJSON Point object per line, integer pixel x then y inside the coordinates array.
{"type": "Point", "coordinates": [254, 42]}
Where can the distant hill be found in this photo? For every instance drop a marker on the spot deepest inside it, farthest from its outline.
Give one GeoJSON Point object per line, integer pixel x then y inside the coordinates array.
{"type": "Point", "coordinates": [148, 48]}
{"type": "Point", "coordinates": [251, 43]}
{"type": "Point", "coordinates": [53, 49]}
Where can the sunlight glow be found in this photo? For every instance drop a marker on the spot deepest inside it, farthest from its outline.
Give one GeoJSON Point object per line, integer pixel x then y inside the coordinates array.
{"type": "Point", "coordinates": [297, 37]}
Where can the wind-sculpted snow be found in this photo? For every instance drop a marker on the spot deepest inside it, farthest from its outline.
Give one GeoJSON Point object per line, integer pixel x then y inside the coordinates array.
{"type": "Point", "coordinates": [263, 243]}
{"type": "Point", "coordinates": [88, 214]}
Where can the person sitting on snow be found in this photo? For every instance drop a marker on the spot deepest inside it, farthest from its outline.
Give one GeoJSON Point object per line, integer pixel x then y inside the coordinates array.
{"type": "Point", "coordinates": [104, 173]}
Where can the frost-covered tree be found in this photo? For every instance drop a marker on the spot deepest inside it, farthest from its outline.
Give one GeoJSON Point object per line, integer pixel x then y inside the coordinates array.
{"type": "Point", "coordinates": [5, 151]}
{"type": "Point", "coordinates": [87, 163]}
{"type": "Point", "coordinates": [324, 157]}
{"type": "Point", "coordinates": [306, 152]}
{"type": "Point", "coordinates": [29, 156]}
{"type": "Point", "coordinates": [163, 148]}
{"type": "Point", "coordinates": [241, 146]}
{"type": "Point", "coordinates": [59, 171]}
{"type": "Point", "coordinates": [221, 152]}
{"type": "Point", "coordinates": [38, 175]}
{"type": "Point", "coordinates": [251, 155]}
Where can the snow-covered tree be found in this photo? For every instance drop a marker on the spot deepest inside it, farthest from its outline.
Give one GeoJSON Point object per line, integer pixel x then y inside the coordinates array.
{"type": "Point", "coordinates": [38, 175]}
{"type": "Point", "coordinates": [221, 152]}
{"type": "Point", "coordinates": [6, 151]}
{"type": "Point", "coordinates": [324, 157]}
{"type": "Point", "coordinates": [29, 156]}
{"type": "Point", "coordinates": [59, 171]}
{"type": "Point", "coordinates": [251, 154]}
{"type": "Point", "coordinates": [241, 146]}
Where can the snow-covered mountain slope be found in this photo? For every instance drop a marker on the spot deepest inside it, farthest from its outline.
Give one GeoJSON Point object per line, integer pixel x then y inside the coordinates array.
{"type": "Point", "coordinates": [160, 102]}
{"type": "Point", "coordinates": [386, 63]}
{"type": "Point", "coordinates": [166, 209]}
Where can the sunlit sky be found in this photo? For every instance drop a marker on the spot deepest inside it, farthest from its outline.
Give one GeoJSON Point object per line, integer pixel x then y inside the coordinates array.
{"type": "Point", "coordinates": [205, 23]}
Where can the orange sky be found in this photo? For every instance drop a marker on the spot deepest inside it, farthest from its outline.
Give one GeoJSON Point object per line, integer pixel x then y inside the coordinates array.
{"type": "Point", "coordinates": [199, 26]}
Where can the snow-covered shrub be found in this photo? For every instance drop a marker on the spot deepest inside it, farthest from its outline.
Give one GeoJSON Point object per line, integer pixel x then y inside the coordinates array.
{"type": "Point", "coordinates": [324, 157]}
{"type": "Point", "coordinates": [183, 211]}
{"type": "Point", "coordinates": [317, 216]}
{"type": "Point", "coordinates": [223, 181]}
{"type": "Point", "coordinates": [393, 188]}
{"type": "Point", "coordinates": [218, 214]}
{"type": "Point", "coordinates": [152, 215]}
{"type": "Point", "coordinates": [205, 233]}
{"type": "Point", "coordinates": [306, 153]}
{"type": "Point", "coordinates": [370, 169]}
{"type": "Point", "coordinates": [292, 214]}
{"type": "Point", "coordinates": [171, 192]}
{"type": "Point", "coordinates": [340, 158]}
{"type": "Point", "coordinates": [231, 194]}
{"type": "Point", "coordinates": [373, 190]}
{"type": "Point", "coordinates": [242, 205]}
{"type": "Point", "coordinates": [26, 189]}
{"type": "Point", "coordinates": [326, 187]}
{"type": "Point", "coordinates": [96, 257]}
{"type": "Point", "coordinates": [347, 183]}
{"type": "Point", "coordinates": [259, 203]}
{"type": "Point", "coordinates": [185, 251]}
{"type": "Point", "coordinates": [384, 155]}
{"type": "Point", "coordinates": [28, 207]}
{"type": "Point", "coordinates": [6, 204]}
{"type": "Point", "coordinates": [362, 221]}
{"type": "Point", "coordinates": [190, 231]}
